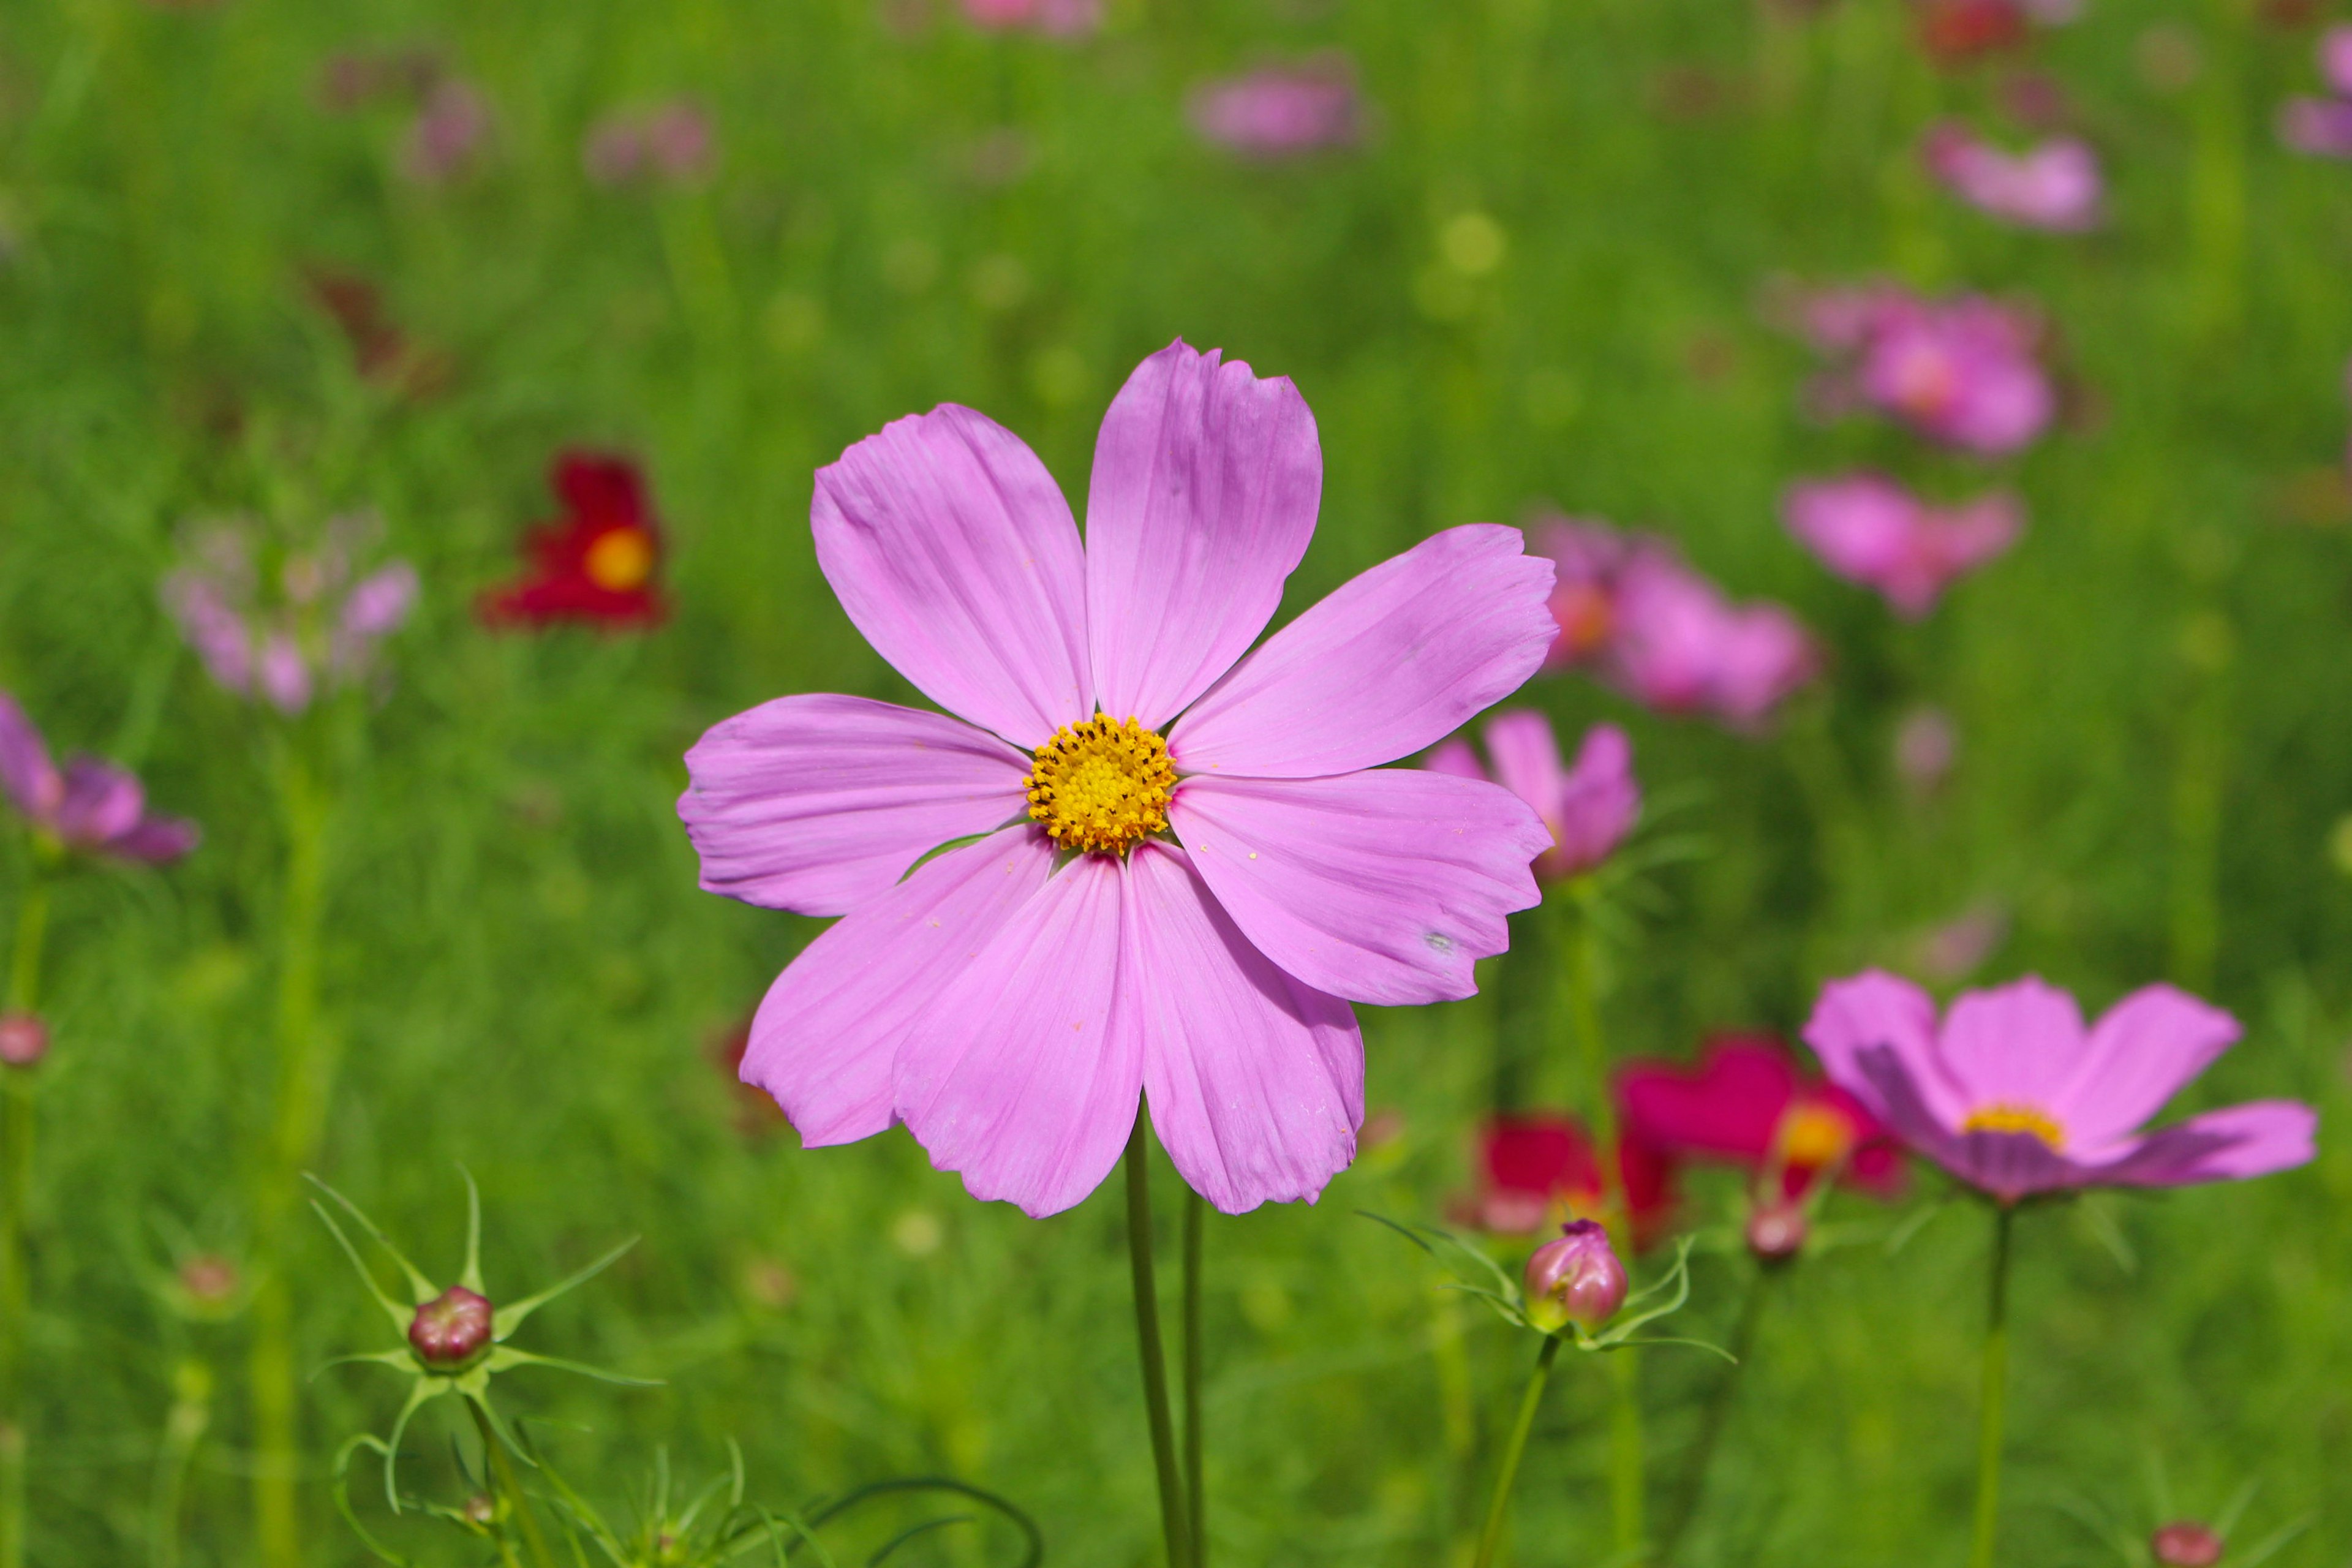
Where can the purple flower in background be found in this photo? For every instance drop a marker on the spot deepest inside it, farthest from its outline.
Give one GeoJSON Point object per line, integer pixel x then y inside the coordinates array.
{"type": "Point", "coordinates": [1635, 614]}
{"type": "Point", "coordinates": [1588, 808]}
{"type": "Point", "coordinates": [2323, 126]}
{"type": "Point", "coordinates": [281, 635]}
{"type": "Point", "coordinates": [89, 807]}
{"type": "Point", "coordinates": [2013, 1095]}
{"type": "Point", "coordinates": [1185, 919]}
{"type": "Point", "coordinates": [671, 142]}
{"type": "Point", "coordinates": [1960, 371]}
{"type": "Point", "coordinates": [1278, 112]}
{"type": "Point", "coordinates": [449, 134]}
{"type": "Point", "coordinates": [2053, 185]}
{"type": "Point", "coordinates": [1055, 18]}
{"type": "Point", "coordinates": [1869, 530]}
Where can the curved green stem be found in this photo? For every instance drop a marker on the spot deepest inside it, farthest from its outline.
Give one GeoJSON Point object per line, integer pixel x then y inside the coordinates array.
{"type": "Point", "coordinates": [1498, 1508]}
{"type": "Point", "coordinates": [1996, 1390]}
{"type": "Point", "coordinates": [1196, 1504]}
{"type": "Point", "coordinates": [509, 1485]}
{"type": "Point", "coordinates": [1172, 1517]}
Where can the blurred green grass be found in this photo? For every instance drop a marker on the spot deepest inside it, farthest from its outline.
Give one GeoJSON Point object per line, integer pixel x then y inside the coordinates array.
{"type": "Point", "coordinates": [521, 977]}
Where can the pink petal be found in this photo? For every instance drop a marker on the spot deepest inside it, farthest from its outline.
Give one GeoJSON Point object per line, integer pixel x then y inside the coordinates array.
{"type": "Point", "coordinates": [27, 773]}
{"type": "Point", "coordinates": [951, 549]}
{"type": "Point", "coordinates": [2020, 1044]}
{"type": "Point", "coordinates": [2140, 1053]}
{"type": "Point", "coordinates": [101, 801]}
{"type": "Point", "coordinates": [1206, 480]}
{"type": "Point", "coordinates": [1527, 762]}
{"type": "Point", "coordinates": [1456, 758]}
{"type": "Point", "coordinates": [1025, 1072]}
{"type": "Point", "coordinates": [2227, 1145]}
{"type": "Point", "coordinates": [1873, 1009]}
{"type": "Point", "coordinates": [155, 840]}
{"type": "Point", "coordinates": [1731, 1106]}
{"type": "Point", "coordinates": [1381, 887]}
{"type": "Point", "coordinates": [1599, 801]}
{"type": "Point", "coordinates": [817, 803]}
{"type": "Point", "coordinates": [824, 1039]}
{"type": "Point", "coordinates": [1255, 1081]}
{"type": "Point", "coordinates": [1388, 663]}
{"type": "Point", "coordinates": [2008, 1165]}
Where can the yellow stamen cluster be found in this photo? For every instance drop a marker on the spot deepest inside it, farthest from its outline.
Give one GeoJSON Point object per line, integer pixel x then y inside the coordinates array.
{"type": "Point", "coordinates": [1813, 1136]}
{"type": "Point", "coordinates": [2007, 1118]}
{"type": "Point", "coordinates": [1102, 785]}
{"type": "Point", "coordinates": [619, 560]}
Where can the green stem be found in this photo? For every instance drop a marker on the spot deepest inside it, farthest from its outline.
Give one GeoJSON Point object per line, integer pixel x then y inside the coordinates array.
{"type": "Point", "coordinates": [1490, 1539]}
{"type": "Point", "coordinates": [183, 1428]}
{"type": "Point", "coordinates": [1196, 1505]}
{"type": "Point", "coordinates": [32, 928]}
{"type": "Point", "coordinates": [1627, 1501]}
{"type": "Point", "coordinates": [16, 1197]}
{"type": "Point", "coordinates": [1147, 1334]}
{"type": "Point", "coordinates": [509, 1485]}
{"type": "Point", "coordinates": [1717, 1414]}
{"type": "Point", "coordinates": [1995, 1395]}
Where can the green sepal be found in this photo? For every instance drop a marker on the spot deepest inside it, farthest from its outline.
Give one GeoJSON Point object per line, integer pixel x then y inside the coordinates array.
{"type": "Point", "coordinates": [424, 1287]}
{"type": "Point", "coordinates": [471, 1277]}
{"type": "Point", "coordinates": [426, 1390]}
{"type": "Point", "coordinates": [399, 1315]}
{"type": "Point", "coordinates": [505, 1321]}
{"type": "Point", "coordinates": [506, 1358]}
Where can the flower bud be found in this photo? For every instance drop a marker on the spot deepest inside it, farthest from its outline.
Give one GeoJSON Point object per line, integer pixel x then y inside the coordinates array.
{"type": "Point", "coordinates": [24, 1039]}
{"type": "Point", "coordinates": [2185, 1543]}
{"type": "Point", "coordinates": [1776, 1232]}
{"type": "Point", "coordinates": [210, 1280]}
{"type": "Point", "coordinates": [451, 1330]}
{"type": "Point", "coordinates": [481, 1509]}
{"type": "Point", "coordinates": [1576, 1280]}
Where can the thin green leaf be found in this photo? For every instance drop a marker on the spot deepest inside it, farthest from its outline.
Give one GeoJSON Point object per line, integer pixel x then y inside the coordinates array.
{"type": "Point", "coordinates": [2272, 1544]}
{"type": "Point", "coordinates": [399, 1360]}
{"type": "Point", "coordinates": [1404, 1230]}
{"type": "Point", "coordinates": [425, 1288]}
{"type": "Point", "coordinates": [471, 1277]}
{"type": "Point", "coordinates": [342, 1490]}
{"type": "Point", "coordinates": [2225, 1523]}
{"type": "Point", "coordinates": [427, 1389]}
{"type": "Point", "coordinates": [399, 1314]}
{"type": "Point", "coordinates": [506, 1358]}
{"type": "Point", "coordinates": [505, 1320]}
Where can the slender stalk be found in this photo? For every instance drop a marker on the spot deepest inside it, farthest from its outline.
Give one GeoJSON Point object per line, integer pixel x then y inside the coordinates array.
{"type": "Point", "coordinates": [1627, 1464]}
{"type": "Point", "coordinates": [1996, 1391]}
{"type": "Point", "coordinates": [1172, 1517]}
{"type": "Point", "coordinates": [1716, 1416]}
{"type": "Point", "coordinates": [1498, 1508]}
{"type": "Point", "coordinates": [183, 1428]}
{"type": "Point", "coordinates": [16, 1130]}
{"type": "Point", "coordinates": [499, 1464]}
{"type": "Point", "coordinates": [1196, 1505]}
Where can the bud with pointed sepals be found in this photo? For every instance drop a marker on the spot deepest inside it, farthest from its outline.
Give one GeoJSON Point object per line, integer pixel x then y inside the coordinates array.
{"type": "Point", "coordinates": [2185, 1543]}
{"type": "Point", "coordinates": [451, 1330]}
{"type": "Point", "coordinates": [1575, 1279]}
{"type": "Point", "coordinates": [24, 1039]}
{"type": "Point", "coordinates": [1776, 1232]}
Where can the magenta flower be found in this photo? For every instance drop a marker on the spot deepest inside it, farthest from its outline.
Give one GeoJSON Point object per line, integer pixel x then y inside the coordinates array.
{"type": "Point", "coordinates": [2013, 1095]}
{"type": "Point", "coordinates": [282, 637]}
{"type": "Point", "coordinates": [2053, 185]}
{"type": "Point", "coordinates": [1960, 371]}
{"type": "Point", "coordinates": [1869, 530]}
{"type": "Point", "coordinates": [89, 807]}
{"type": "Point", "coordinates": [449, 134]}
{"type": "Point", "coordinates": [1188, 861]}
{"type": "Point", "coordinates": [1279, 112]}
{"type": "Point", "coordinates": [1632, 612]}
{"type": "Point", "coordinates": [1055, 18]}
{"type": "Point", "coordinates": [670, 144]}
{"type": "Point", "coordinates": [2323, 126]}
{"type": "Point", "coordinates": [1588, 809]}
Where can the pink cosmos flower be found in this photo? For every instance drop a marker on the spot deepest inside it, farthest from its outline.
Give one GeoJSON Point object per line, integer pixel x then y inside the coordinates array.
{"type": "Point", "coordinates": [1960, 371]}
{"type": "Point", "coordinates": [1055, 18]}
{"type": "Point", "coordinates": [1588, 809]}
{"type": "Point", "coordinates": [1278, 112]}
{"type": "Point", "coordinates": [90, 806]}
{"type": "Point", "coordinates": [1869, 530]}
{"type": "Point", "coordinates": [2053, 185]}
{"type": "Point", "coordinates": [1115, 909]}
{"type": "Point", "coordinates": [671, 144]}
{"type": "Point", "coordinates": [2013, 1095]}
{"type": "Point", "coordinates": [1631, 611]}
{"type": "Point", "coordinates": [449, 134]}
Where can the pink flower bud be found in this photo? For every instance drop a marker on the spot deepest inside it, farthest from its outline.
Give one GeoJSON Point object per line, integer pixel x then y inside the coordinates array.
{"type": "Point", "coordinates": [24, 1039]}
{"type": "Point", "coordinates": [451, 1330]}
{"type": "Point", "coordinates": [210, 1279]}
{"type": "Point", "coordinates": [1576, 1280]}
{"type": "Point", "coordinates": [1776, 1232]}
{"type": "Point", "coordinates": [2185, 1543]}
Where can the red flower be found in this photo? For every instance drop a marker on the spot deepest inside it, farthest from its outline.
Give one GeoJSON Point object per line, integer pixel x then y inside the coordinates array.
{"type": "Point", "coordinates": [756, 1112]}
{"type": "Point", "coordinates": [598, 561]}
{"type": "Point", "coordinates": [1746, 1103]}
{"type": "Point", "coordinates": [1957, 32]}
{"type": "Point", "coordinates": [1533, 1170]}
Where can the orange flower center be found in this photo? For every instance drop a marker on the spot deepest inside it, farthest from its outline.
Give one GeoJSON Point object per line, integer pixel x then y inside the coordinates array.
{"type": "Point", "coordinates": [620, 559]}
{"type": "Point", "coordinates": [2004, 1117]}
{"type": "Point", "coordinates": [1102, 785]}
{"type": "Point", "coordinates": [1585, 618]}
{"type": "Point", "coordinates": [1812, 1136]}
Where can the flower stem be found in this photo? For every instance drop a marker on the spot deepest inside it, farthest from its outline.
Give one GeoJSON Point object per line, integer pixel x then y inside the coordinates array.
{"type": "Point", "coordinates": [16, 1196]}
{"type": "Point", "coordinates": [1995, 1395]}
{"type": "Point", "coordinates": [509, 1485]}
{"type": "Point", "coordinates": [183, 1428]}
{"type": "Point", "coordinates": [1172, 1517]}
{"type": "Point", "coordinates": [1196, 1506]}
{"type": "Point", "coordinates": [1717, 1414]}
{"type": "Point", "coordinates": [1627, 1480]}
{"type": "Point", "coordinates": [1498, 1508]}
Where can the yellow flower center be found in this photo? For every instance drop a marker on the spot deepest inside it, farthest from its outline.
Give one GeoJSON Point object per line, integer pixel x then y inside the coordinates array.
{"type": "Point", "coordinates": [2007, 1118]}
{"type": "Point", "coordinates": [1101, 785]}
{"type": "Point", "coordinates": [1813, 1135]}
{"type": "Point", "coordinates": [621, 559]}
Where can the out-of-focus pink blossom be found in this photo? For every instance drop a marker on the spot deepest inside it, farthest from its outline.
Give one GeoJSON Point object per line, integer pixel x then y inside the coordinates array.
{"type": "Point", "coordinates": [282, 637]}
{"type": "Point", "coordinates": [89, 807]}
{"type": "Point", "coordinates": [449, 134]}
{"type": "Point", "coordinates": [1869, 530]}
{"type": "Point", "coordinates": [2321, 127]}
{"type": "Point", "coordinates": [1950, 952]}
{"type": "Point", "coordinates": [1587, 807]}
{"type": "Point", "coordinates": [1055, 18]}
{"type": "Point", "coordinates": [2336, 60]}
{"type": "Point", "coordinates": [1279, 112]}
{"type": "Point", "coordinates": [1960, 371]}
{"type": "Point", "coordinates": [2054, 185]}
{"type": "Point", "coordinates": [671, 144]}
{"type": "Point", "coordinates": [1635, 614]}
{"type": "Point", "coordinates": [1926, 747]}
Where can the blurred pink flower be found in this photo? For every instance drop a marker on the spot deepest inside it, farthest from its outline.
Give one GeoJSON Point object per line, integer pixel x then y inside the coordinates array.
{"type": "Point", "coordinates": [1055, 18]}
{"type": "Point", "coordinates": [2336, 60]}
{"type": "Point", "coordinates": [1960, 371]}
{"type": "Point", "coordinates": [1278, 112]}
{"type": "Point", "coordinates": [1588, 808]}
{"type": "Point", "coordinates": [1869, 530]}
{"type": "Point", "coordinates": [2322, 127]}
{"type": "Point", "coordinates": [672, 144]}
{"type": "Point", "coordinates": [449, 134]}
{"type": "Point", "coordinates": [1632, 612]}
{"type": "Point", "coordinates": [1952, 952]}
{"type": "Point", "coordinates": [1926, 745]}
{"type": "Point", "coordinates": [2053, 185]}
{"type": "Point", "coordinates": [2011, 1094]}
{"type": "Point", "coordinates": [90, 806]}
{"type": "Point", "coordinates": [282, 638]}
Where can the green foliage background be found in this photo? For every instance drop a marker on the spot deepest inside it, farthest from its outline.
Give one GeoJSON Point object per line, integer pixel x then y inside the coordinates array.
{"type": "Point", "coordinates": [521, 975]}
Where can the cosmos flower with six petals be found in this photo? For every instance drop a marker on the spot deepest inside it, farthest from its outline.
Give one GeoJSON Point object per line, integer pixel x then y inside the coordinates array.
{"type": "Point", "coordinates": [1152, 861]}
{"type": "Point", "coordinates": [90, 806]}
